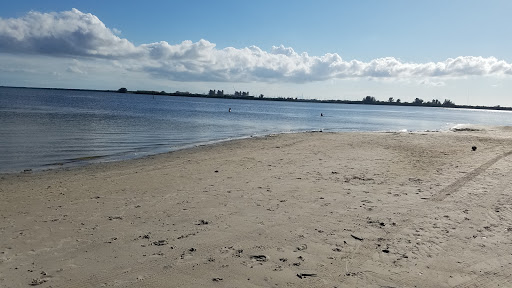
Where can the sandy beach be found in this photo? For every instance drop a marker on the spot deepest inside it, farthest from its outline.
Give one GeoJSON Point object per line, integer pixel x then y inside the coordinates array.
{"type": "Point", "coordinates": [290, 210]}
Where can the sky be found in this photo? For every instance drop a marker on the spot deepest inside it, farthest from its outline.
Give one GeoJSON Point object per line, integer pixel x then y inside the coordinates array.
{"type": "Point", "coordinates": [456, 50]}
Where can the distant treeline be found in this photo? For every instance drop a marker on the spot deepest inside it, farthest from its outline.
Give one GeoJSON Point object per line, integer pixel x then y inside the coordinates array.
{"type": "Point", "coordinates": [416, 102]}
{"type": "Point", "coordinates": [369, 100]}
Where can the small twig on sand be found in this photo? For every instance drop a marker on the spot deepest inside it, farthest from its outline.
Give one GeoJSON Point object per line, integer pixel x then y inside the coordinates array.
{"type": "Point", "coordinates": [304, 275]}
{"type": "Point", "coordinates": [357, 238]}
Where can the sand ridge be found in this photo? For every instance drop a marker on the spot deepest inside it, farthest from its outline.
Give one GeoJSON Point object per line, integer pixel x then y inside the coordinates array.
{"type": "Point", "coordinates": [290, 210]}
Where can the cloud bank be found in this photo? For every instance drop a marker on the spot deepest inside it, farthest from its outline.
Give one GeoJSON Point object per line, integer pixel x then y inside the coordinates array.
{"type": "Point", "coordinates": [75, 34]}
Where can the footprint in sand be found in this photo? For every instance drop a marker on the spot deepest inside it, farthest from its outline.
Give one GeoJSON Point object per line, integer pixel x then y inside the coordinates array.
{"type": "Point", "coordinates": [188, 253]}
{"type": "Point", "coordinates": [302, 247]}
{"type": "Point", "coordinates": [259, 258]}
{"type": "Point", "coordinates": [234, 252]}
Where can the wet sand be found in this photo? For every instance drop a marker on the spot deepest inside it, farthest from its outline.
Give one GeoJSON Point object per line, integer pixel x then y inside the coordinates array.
{"type": "Point", "coordinates": [292, 210]}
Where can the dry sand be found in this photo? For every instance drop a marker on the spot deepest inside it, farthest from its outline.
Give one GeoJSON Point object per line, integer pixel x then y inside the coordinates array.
{"type": "Point", "coordinates": [295, 210]}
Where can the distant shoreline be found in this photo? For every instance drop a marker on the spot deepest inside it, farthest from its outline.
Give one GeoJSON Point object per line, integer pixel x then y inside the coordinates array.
{"type": "Point", "coordinates": [289, 99]}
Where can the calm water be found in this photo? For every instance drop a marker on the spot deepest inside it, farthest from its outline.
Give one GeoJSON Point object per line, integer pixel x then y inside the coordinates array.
{"type": "Point", "coordinates": [43, 129]}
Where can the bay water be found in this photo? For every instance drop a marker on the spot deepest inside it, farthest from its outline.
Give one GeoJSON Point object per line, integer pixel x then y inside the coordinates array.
{"type": "Point", "coordinates": [44, 128]}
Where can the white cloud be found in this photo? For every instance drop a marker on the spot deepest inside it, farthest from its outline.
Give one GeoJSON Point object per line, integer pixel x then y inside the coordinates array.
{"type": "Point", "coordinates": [76, 34]}
{"type": "Point", "coordinates": [116, 31]}
{"type": "Point", "coordinates": [429, 83]}
{"type": "Point", "coordinates": [69, 33]}
{"type": "Point", "coordinates": [75, 69]}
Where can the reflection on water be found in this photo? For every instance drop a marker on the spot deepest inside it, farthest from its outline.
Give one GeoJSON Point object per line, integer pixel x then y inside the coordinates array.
{"type": "Point", "coordinates": [47, 128]}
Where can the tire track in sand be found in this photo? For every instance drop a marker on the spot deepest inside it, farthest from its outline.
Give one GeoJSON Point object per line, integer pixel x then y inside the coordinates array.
{"type": "Point", "coordinates": [493, 277]}
{"type": "Point", "coordinates": [490, 279]}
{"type": "Point", "coordinates": [498, 277]}
{"type": "Point", "coordinates": [453, 187]}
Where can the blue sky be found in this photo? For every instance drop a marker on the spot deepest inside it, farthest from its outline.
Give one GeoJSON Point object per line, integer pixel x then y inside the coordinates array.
{"type": "Point", "coordinates": [458, 50]}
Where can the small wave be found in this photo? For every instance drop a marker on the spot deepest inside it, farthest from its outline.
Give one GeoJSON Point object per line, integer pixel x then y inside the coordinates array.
{"type": "Point", "coordinates": [466, 127]}
{"type": "Point", "coordinates": [86, 158]}
{"type": "Point", "coordinates": [74, 160]}
{"type": "Point", "coordinates": [484, 128]}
